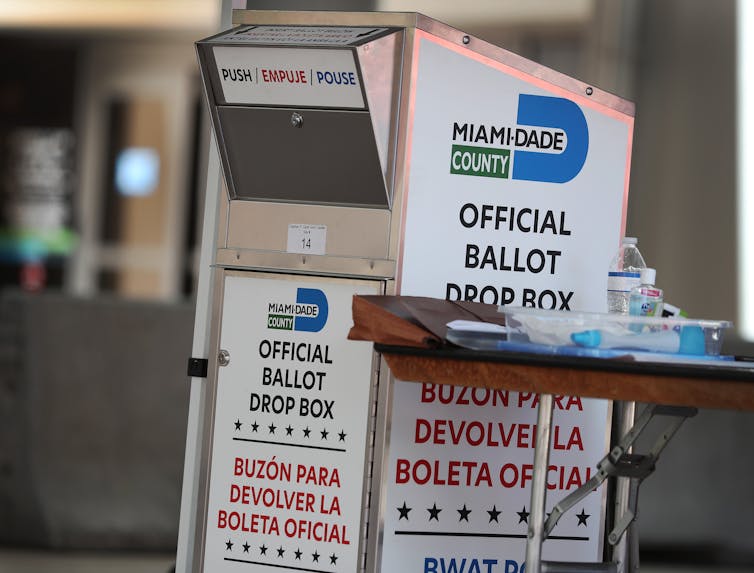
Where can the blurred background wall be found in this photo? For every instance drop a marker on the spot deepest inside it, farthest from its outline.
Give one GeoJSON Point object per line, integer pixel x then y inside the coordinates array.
{"type": "Point", "coordinates": [104, 148]}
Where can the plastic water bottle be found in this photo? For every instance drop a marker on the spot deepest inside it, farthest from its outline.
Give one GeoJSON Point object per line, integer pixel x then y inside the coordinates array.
{"type": "Point", "coordinates": [646, 299]}
{"type": "Point", "coordinates": [623, 275]}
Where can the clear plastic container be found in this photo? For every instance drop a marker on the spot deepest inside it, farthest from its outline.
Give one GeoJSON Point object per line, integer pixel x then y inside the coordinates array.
{"type": "Point", "coordinates": [623, 275]}
{"type": "Point", "coordinates": [607, 331]}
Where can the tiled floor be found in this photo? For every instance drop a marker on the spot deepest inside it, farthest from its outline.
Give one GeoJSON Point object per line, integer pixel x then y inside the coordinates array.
{"type": "Point", "coordinates": [25, 561]}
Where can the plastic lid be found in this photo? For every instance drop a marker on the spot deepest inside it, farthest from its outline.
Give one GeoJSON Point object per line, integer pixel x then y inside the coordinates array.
{"type": "Point", "coordinates": [648, 276]}
{"type": "Point", "coordinates": [630, 240]}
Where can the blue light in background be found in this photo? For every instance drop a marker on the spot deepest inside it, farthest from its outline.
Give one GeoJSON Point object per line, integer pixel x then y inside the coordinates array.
{"type": "Point", "coordinates": [137, 171]}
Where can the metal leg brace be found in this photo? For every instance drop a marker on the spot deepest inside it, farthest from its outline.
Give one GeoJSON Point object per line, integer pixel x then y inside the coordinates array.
{"type": "Point", "coordinates": [619, 463]}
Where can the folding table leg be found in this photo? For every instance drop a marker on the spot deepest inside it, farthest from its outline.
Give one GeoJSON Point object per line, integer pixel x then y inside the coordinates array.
{"type": "Point", "coordinates": [625, 413]}
{"type": "Point", "coordinates": [539, 485]}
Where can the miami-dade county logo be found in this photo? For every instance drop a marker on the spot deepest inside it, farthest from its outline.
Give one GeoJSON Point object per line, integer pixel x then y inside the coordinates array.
{"type": "Point", "coordinates": [307, 314]}
{"type": "Point", "coordinates": [548, 144]}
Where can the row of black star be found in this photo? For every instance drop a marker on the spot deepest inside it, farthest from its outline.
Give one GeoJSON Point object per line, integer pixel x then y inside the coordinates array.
{"type": "Point", "coordinates": [289, 431]}
{"type": "Point", "coordinates": [464, 512]}
{"type": "Point", "coordinates": [297, 554]}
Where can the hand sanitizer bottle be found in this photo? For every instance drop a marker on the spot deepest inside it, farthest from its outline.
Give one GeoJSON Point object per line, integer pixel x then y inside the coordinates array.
{"type": "Point", "coordinates": [646, 299]}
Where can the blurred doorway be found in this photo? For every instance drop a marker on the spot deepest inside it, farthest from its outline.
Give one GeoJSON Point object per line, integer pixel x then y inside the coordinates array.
{"type": "Point", "coordinates": [139, 165]}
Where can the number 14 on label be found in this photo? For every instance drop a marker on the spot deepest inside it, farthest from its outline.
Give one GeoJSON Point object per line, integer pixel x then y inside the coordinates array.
{"type": "Point", "coordinates": [307, 239]}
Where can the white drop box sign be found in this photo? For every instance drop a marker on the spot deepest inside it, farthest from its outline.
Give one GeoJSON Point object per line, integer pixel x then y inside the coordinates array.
{"type": "Point", "coordinates": [516, 188]}
{"type": "Point", "coordinates": [290, 427]}
{"type": "Point", "coordinates": [516, 195]}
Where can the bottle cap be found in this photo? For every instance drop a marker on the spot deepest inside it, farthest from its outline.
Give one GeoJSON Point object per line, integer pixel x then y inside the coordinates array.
{"type": "Point", "coordinates": [630, 240]}
{"type": "Point", "coordinates": [648, 276]}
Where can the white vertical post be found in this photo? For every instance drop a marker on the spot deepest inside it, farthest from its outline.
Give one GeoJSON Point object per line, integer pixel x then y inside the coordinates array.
{"type": "Point", "coordinates": [200, 349]}
{"type": "Point", "coordinates": [745, 183]}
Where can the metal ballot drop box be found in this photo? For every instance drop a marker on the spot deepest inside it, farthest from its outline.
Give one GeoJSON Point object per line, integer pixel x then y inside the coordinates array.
{"type": "Point", "coordinates": [384, 153]}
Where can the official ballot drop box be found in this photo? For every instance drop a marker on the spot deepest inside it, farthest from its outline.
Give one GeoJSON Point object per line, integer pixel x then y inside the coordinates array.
{"type": "Point", "coordinates": [387, 153]}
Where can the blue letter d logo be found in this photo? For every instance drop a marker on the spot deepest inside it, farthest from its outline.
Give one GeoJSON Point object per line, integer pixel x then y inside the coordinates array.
{"type": "Point", "coordinates": [542, 111]}
{"type": "Point", "coordinates": [316, 297]}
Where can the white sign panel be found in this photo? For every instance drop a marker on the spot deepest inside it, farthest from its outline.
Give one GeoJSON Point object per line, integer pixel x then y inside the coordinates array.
{"type": "Point", "coordinates": [515, 196]}
{"type": "Point", "coordinates": [302, 35]}
{"type": "Point", "coordinates": [290, 428]}
{"type": "Point", "coordinates": [459, 477]}
{"type": "Point", "coordinates": [515, 193]}
{"type": "Point", "coordinates": [289, 76]}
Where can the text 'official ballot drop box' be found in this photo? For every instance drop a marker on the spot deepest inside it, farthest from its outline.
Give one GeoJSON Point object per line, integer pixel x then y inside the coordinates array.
{"type": "Point", "coordinates": [384, 153]}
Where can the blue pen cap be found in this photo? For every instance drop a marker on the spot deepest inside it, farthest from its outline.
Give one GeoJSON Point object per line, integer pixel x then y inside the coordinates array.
{"type": "Point", "coordinates": [587, 338]}
{"type": "Point", "coordinates": [692, 340]}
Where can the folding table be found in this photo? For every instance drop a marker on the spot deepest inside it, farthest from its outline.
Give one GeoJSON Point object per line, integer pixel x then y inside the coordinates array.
{"type": "Point", "coordinates": [407, 331]}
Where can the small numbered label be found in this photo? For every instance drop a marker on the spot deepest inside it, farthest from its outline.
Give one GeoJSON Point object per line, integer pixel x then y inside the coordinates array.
{"type": "Point", "coordinates": [307, 239]}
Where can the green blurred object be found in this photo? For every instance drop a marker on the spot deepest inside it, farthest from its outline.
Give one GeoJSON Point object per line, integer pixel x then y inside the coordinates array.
{"type": "Point", "coordinates": [33, 245]}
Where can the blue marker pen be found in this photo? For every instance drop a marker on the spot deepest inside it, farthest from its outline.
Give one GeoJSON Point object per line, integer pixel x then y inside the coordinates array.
{"type": "Point", "coordinates": [690, 340]}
